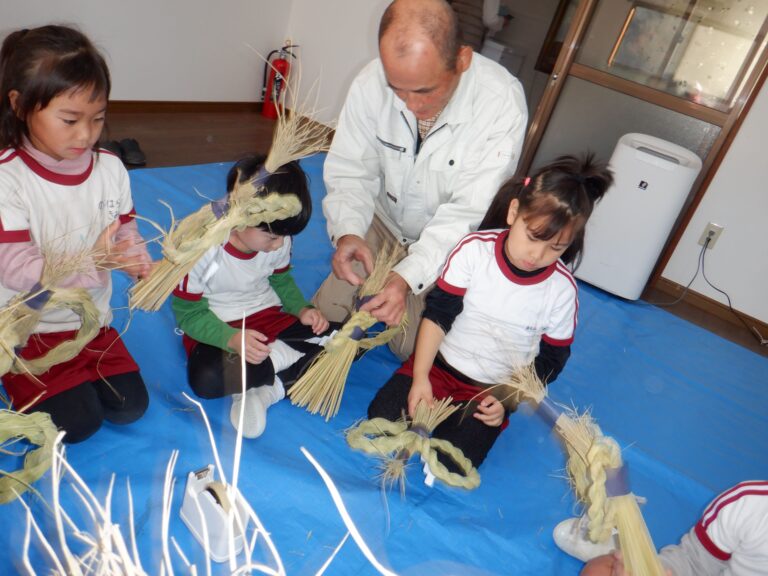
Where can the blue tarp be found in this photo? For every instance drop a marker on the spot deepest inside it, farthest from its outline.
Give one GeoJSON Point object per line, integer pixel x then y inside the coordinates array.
{"type": "Point", "coordinates": [688, 407]}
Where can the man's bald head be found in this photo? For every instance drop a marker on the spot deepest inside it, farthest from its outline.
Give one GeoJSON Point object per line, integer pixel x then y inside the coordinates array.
{"type": "Point", "coordinates": [407, 22]}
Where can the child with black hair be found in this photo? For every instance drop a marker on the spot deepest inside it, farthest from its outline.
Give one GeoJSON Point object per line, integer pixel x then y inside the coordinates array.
{"type": "Point", "coordinates": [505, 299]}
{"type": "Point", "coordinates": [250, 277]}
{"type": "Point", "coordinates": [58, 192]}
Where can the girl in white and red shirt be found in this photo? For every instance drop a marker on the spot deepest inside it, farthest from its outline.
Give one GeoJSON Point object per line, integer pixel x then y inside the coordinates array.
{"type": "Point", "coordinates": [59, 194]}
{"type": "Point", "coordinates": [505, 299]}
{"type": "Point", "coordinates": [730, 539]}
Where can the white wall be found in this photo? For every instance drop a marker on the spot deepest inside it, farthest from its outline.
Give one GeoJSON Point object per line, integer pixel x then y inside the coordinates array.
{"type": "Point", "coordinates": [197, 50]}
{"type": "Point", "coordinates": [337, 38]}
{"type": "Point", "coordinates": [737, 199]}
{"type": "Point", "coordinates": [187, 50]}
{"type": "Point", "coordinates": [525, 35]}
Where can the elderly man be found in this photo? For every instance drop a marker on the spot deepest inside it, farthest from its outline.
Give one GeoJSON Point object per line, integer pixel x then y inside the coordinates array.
{"type": "Point", "coordinates": [428, 133]}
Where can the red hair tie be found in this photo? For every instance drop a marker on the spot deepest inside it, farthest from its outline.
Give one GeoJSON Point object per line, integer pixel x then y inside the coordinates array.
{"type": "Point", "coordinates": [527, 181]}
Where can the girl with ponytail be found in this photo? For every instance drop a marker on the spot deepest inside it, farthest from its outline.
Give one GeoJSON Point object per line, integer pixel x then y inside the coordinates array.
{"type": "Point", "coordinates": [505, 299]}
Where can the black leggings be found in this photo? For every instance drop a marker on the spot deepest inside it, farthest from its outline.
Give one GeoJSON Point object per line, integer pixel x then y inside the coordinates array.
{"type": "Point", "coordinates": [214, 373]}
{"type": "Point", "coordinates": [80, 411]}
{"type": "Point", "coordinates": [461, 428]}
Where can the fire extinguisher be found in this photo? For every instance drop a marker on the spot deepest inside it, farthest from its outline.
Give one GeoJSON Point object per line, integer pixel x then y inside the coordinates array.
{"type": "Point", "coordinates": [275, 77]}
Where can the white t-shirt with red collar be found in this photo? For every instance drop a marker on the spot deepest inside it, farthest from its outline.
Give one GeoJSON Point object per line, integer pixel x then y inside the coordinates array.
{"type": "Point", "coordinates": [62, 214]}
{"type": "Point", "coordinates": [235, 283]}
{"type": "Point", "coordinates": [505, 316]}
{"type": "Point", "coordinates": [730, 539]}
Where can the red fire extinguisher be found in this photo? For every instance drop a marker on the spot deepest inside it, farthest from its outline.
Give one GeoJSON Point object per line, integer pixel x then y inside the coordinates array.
{"type": "Point", "coordinates": [275, 77]}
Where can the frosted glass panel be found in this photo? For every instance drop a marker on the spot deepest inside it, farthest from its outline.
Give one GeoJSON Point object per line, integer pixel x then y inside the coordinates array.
{"type": "Point", "coordinates": [699, 50]}
{"type": "Point", "coordinates": [591, 117]}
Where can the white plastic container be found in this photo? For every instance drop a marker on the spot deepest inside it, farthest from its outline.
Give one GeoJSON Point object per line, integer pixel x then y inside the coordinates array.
{"type": "Point", "coordinates": [628, 228]}
{"type": "Point", "coordinates": [509, 57]}
{"type": "Point", "coordinates": [206, 508]}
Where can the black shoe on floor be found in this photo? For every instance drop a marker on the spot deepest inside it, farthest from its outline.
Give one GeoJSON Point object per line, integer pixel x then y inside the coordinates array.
{"type": "Point", "coordinates": [132, 154]}
{"type": "Point", "coordinates": [114, 147]}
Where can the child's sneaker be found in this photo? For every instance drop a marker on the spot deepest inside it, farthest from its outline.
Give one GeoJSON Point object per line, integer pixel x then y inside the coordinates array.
{"type": "Point", "coordinates": [571, 537]}
{"type": "Point", "coordinates": [255, 417]}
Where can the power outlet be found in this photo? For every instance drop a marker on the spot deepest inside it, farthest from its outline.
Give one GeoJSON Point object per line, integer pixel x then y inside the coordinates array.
{"type": "Point", "coordinates": [711, 231]}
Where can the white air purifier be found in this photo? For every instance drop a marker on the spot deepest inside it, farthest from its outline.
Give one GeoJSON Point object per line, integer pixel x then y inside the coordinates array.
{"type": "Point", "coordinates": [629, 226]}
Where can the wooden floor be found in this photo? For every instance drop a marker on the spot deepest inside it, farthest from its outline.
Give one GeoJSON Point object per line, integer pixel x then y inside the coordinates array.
{"type": "Point", "coordinates": [183, 138]}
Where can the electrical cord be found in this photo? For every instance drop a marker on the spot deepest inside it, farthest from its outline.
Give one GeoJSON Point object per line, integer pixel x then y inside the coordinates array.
{"type": "Point", "coordinates": [700, 266]}
{"type": "Point", "coordinates": [753, 329]}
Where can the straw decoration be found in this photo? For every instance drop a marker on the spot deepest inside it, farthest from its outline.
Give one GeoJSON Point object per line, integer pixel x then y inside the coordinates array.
{"type": "Point", "coordinates": [21, 323]}
{"type": "Point", "coordinates": [398, 441]}
{"type": "Point", "coordinates": [598, 477]}
{"type": "Point", "coordinates": [184, 244]}
{"type": "Point", "coordinates": [320, 388]}
{"type": "Point", "coordinates": [38, 429]}
{"type": "Point", "coordinates": [21, 315]}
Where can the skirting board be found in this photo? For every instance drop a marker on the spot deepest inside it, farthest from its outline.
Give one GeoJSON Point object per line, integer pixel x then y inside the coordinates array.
{"type": "Point", "coordinates": [166, 106]}
{"type": "Point", "coordinates": [708, 305]}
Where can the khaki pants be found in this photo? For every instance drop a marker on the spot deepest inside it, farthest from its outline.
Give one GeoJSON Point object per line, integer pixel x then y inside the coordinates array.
{"type": "Point", "coordinates": [335, 298]}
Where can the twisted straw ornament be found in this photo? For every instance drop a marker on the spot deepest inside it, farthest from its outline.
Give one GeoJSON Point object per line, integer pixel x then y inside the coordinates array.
{"type": "Point", "coordinates": [320, 388]}
{"type": "Point", "coordinates": [381, 436]}
{"type": "Point", "coordinates": [592, 457]}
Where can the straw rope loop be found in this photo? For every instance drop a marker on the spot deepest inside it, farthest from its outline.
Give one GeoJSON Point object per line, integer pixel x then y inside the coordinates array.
{"type": "Point", "coordinates": [18, 321]}
{"type": "Point", "coordinates": [38, 429]}
{"type": "Point", "coordinates": [379, 436]}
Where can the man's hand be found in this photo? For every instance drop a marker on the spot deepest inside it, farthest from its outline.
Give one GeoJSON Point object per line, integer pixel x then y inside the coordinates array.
{"type": "Point", "coordinates": [256, 350]}
{"type": "Point", "coordinates": [490, 411]}
{"type": "Point", "coordinates": [388, 305]}
{"type": "Point", "coordinates": [351, 248]}
{"type": "Point", "coordinates": [314, 318]}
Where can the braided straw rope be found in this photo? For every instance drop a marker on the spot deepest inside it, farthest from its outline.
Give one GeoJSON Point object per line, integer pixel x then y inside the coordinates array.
{"type": "Point", "coordinates": [18, 322]}
{"type": "Point", "coordinates": [591, 455]}
{"type": "Point", "coordinates": [295, 137]}
{"type": "Point", "coordinates": [380, 436]}
{"type": "Point", "coordinates": [38, 429]}
{"type": "Point", "coordinates": [320, 388]}
{"type": "Point", "coordinates": [186, 243]}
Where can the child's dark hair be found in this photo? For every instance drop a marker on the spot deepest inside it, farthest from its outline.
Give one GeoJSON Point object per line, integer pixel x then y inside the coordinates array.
{"type": "Point", "coordinates": [288, 179]}
{"type": "Point", "coordinates": [562, 194]}
{"type": "Point", "coordinates": [40, 64]}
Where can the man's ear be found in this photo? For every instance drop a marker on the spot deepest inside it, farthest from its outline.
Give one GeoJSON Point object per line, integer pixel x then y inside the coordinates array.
{"type": "Point", "coordinates": [514, 205]}
{"type": "Point", "coordinates": [463, 59]}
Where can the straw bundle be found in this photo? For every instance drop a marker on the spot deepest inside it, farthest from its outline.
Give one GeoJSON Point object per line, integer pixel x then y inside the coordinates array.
{"type": "Point", "coordinates": [398, 441]}
{"type": "Point", "coordinates": [295, 137]}
{"type": "Point", "coordinates": [320, 388]}
{"type": "Point", "coordinates": [594, 462]}
{"type": "Point", "coordinates": [38, 429]}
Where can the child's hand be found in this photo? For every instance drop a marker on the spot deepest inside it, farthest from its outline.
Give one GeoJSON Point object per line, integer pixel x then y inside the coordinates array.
{"type": "Point", "coordinates": [608, 565]}
{"type": "Point", "coordinates": [421, 391]}
{"type": "Point", "coordinates": [314, 318]}
{"type": "Point", "coordinates": [121, 255]}
{"type": "Point", "coordinates": [490, 411]}
{"type": "Point", "coordinates": [256, 351]}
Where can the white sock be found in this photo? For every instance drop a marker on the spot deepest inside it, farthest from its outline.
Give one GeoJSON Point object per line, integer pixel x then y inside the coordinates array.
{"type": "Point", "coordinates": [271, 394]}
{"type": "Point", "coordinates": [282, 355]}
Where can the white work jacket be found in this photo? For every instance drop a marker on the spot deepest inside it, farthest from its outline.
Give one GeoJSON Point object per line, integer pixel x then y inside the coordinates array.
{"type": "Point", "coordinates": [429, 200]}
